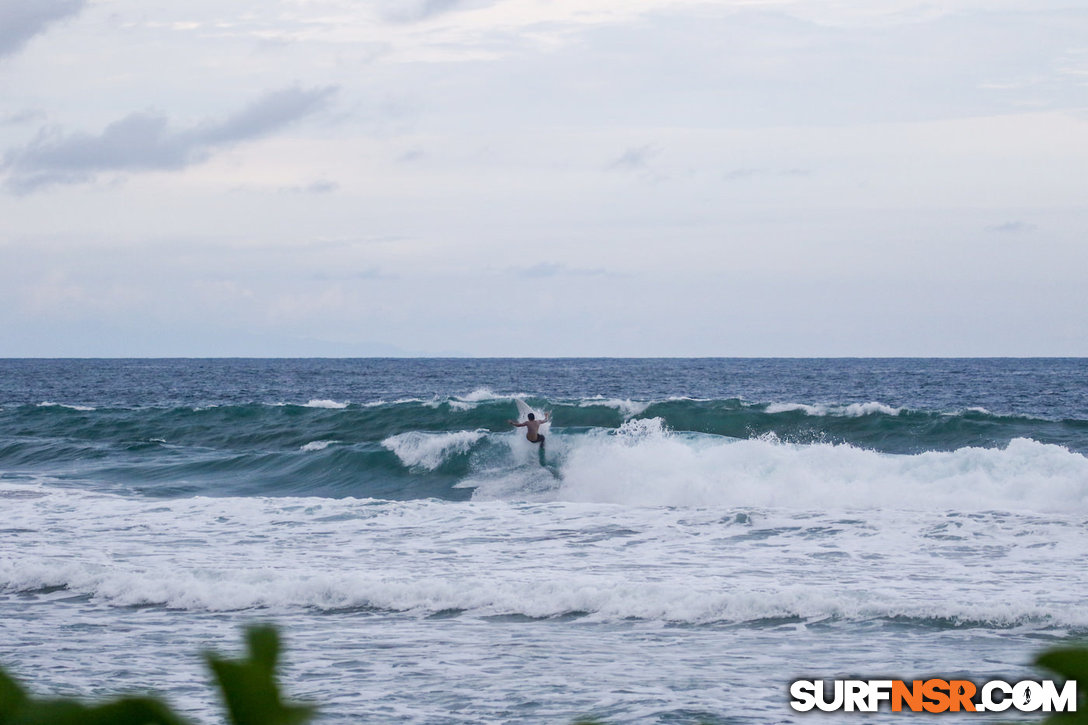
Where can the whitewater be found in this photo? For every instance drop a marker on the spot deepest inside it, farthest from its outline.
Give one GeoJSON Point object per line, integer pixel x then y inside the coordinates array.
{"type": "Point", "coordinates": [701, 532]}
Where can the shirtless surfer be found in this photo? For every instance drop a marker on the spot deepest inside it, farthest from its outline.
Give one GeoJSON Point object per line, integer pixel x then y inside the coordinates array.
{"type": "Point", "coordinates": [533, 434]}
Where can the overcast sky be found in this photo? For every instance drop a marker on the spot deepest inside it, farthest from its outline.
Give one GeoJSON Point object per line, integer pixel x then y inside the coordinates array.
{"type": "Point", "coordinates": [543, 177]}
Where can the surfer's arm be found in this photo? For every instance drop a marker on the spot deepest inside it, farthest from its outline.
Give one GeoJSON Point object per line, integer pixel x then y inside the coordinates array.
{"type": "Point", "coordinates": [517, 425]}
{"type": "Point", "coordinates": [547, 417]}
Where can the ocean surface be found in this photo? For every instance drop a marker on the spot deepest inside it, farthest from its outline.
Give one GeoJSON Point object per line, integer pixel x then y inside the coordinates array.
{"type": "Point", "coordinates": [697, 534]}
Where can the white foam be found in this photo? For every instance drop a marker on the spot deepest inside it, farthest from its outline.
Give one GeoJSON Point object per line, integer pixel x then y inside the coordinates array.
{"type": "Point", "coordinates": [480, 395]}
{"type": "Point", "coordinates": [629, 408]}
{"type": "Point", "coordinates": [854, 410]}
{"type": "Point", "coordinates": [48, 404]}
{"type": "Point", "coordinates": [642, 428]}
{"type": "Point", "coordinates": [643, 464]}
{"type": "Point", "coordinates": [791, 407]}
{"type": "Point", "coordinates": [315, 403]}
{"type": "Point", "coordinates": [399, 401]}
{"type": "Point", "coordinates": [820, 587]}
{"type": "Point", "coordinates": [616, 563]}
{"type": "Point", "coordinates": [431, 450]}
{"type": "Point", "coordinates": [317, 445]}
{"type": "Point", "coordinates": [603, 597]}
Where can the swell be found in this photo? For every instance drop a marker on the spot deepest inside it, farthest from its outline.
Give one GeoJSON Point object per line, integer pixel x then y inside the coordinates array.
{"type": "Point", "coordinates": [287, 426]}
{"type": "Point", "coordinates": [441, 447]}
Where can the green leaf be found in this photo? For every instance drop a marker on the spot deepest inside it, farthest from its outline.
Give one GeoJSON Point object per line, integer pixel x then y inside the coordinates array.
{"type": "Point", "coordinates": [1069, 662]}
{"type": "Point", "coordinates": [249, 685]}
{"type": "Point", "coordinates": [18, 708]}
{"type": "Point", "coordinates": [123, 711]}
{"type": "Point", "coordinates": [12, 698]}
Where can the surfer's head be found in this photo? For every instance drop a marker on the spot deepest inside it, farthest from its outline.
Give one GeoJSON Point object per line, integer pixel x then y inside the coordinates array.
{"type": "Point", "coordinates": [532, 417]}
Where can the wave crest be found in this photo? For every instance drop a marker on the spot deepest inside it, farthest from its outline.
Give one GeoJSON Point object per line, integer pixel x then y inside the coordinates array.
{"type": "Point", "coordinates": [651, 467]}
{"type": "Point", "coordinates": [430, 450]}
{"type": "Point", "coordinates": [853, 410]}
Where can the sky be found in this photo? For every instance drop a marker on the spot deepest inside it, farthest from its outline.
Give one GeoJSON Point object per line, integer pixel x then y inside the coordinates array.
{"type": "Point", "coordinates": [543, 178]}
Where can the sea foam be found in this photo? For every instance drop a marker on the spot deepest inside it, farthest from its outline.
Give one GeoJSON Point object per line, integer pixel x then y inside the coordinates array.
{"type": "Point", "coordinates": [627, 407]}
{"type": "Point", "coordinates": [853, 410]}
{"type": "Point", "coordinates": [644, 464]}
{"type": "Point", "coordinates": [81, 408]}
{"type": "Point", "coordinates": [430, 450]}
{"type": "Point", "coordinates": [315, 403]}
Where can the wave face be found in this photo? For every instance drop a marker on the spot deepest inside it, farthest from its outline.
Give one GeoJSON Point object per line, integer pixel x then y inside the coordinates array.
{"type": "Point", "coordinates": [383, 438]}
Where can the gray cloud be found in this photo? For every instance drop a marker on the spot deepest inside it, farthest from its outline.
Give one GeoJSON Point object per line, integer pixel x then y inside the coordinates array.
{"type": "Point", "coordinates": [552, 269]}
{"type": "Point", "coordinates": [370, 273]}
{"type": "Point", "coordinates": [742, 173]}
{"type": "Point", "coordinates": [321, 186]}
{"type": "Point", "coordinates": [21, 20]}
{"type": "Point", "coordinates": [413, 11]}
{"type": "Point", "coordinates": [1013, 227]}
{"type": "Point", "coordinates": [748, 172]}
{"type": "Point", "coordinates": [411, 155]}
{"type": "Point", "coordinates": [633, 159]}
{"type": "Point", "coordinates": [146, 142]}
{"type": "Point", "coordinates": [27, 115]}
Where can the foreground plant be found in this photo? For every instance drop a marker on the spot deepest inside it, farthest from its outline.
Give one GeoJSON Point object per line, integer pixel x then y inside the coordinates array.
{"type": "Point", "coordinates": [1070, 663]}
{"type": "Point", "coordinates": [247, 686]}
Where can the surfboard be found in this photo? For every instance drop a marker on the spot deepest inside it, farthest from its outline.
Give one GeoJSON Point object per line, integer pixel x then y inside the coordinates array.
{"type": "Point", "coordinates": [524, 409]}
{"type": "Point", "coordinates": [523, 415]}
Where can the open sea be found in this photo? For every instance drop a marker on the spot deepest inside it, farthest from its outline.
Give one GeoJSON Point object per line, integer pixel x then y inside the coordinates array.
{"type": "Point", "coordinates": [698, 534]}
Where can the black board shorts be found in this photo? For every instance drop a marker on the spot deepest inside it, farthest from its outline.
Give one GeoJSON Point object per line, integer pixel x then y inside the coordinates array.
{"type": "Point", "coordinates": [539, 439]}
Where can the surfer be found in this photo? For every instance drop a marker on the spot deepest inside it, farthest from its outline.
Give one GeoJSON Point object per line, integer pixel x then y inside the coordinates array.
{"type": "Point", "coordinates": [533, 434]}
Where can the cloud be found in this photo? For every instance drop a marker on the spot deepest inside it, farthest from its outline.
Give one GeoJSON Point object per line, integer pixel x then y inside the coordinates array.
{"type": "Point", "coordinates": [360, 275]}
{"type": "Point", "coordinates": [21, 20]}
{"type": "Point", "coordinates": [633, 159]}
{"type": "Point", "coordinates": [321, 186]}
{"type": "Point", "coordinates": [747, 172]}
{"type": "Point", "coordinates": [146, 142]}
{"type": "Point", "coordinates": [1013, 227]}
{"type": "Point", "coordinates": [27, 115]}
{"type": "Point", "coordinates": [552, 269]}
{"type": "Point", "coordinates": [742, 173]}
{"type": "Point", "coordinates": [413, 11]}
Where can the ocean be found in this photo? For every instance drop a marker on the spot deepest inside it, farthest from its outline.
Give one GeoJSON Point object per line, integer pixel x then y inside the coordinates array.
{"type": "Point", "coordinates": [698, 533]}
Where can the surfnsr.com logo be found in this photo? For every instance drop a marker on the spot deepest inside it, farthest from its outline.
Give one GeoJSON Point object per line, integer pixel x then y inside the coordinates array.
{"type": "Point", "coordinates": [933, 695]}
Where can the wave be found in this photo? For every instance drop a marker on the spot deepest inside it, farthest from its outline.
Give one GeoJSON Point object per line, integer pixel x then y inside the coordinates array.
{"type": "Point", "coordinates": [601, 597]}
{"type": "Point", "coordinates": [325, 404]}
{"type": "Point", "coordinates": [677, 451]}
{"type": "Point", "coordinates": [629, 408]}
{"type": "Point", "coordinates": [430, 450]}
{"type": "Point", "coordinates": [657, 468]}
{"type": "Point", "coordinates": [69, 406]}
{"type": "Point", "coordinates": [853, 410]}
{"type": "Point", "coordinates": [314, 445]}
{"type": "Point", "coordinates": [643, 463]}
